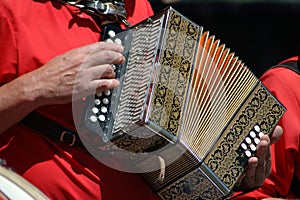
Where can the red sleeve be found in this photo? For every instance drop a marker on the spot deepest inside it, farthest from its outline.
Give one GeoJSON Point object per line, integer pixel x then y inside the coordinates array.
{"type": "Point", "coordinates": [138, 10]}
{"type": "Point", "coordinates": [8, 57]}
{"type": "Point", "coordinates": [284, 84]}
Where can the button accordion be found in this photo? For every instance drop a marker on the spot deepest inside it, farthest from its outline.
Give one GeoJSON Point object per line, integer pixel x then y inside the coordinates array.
{"type": "Point", "coordinates": [187, 105]}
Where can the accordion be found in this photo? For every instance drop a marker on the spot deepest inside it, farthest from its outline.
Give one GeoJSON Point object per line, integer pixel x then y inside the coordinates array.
{"type": "Point", "coordinates": [188, 112]}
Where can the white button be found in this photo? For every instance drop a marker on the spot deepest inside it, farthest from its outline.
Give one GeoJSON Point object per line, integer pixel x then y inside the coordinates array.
{"type": "Point", "coordinates": [113, 66]}
{"type": "Point", "coordinates": [103, 109]}
{"type": "Point", "coordinates": [93, 118]}
{"type": "Point", "coordinates": [111, 33]}
{"type": "Point", "coordinates": [105, 101]}
{"type": "Point", "coordinates": [118, 41]}
{"type": "Point", "coordinates": [101, 118]}
{"type": "Point", "coordinates": [107, 92]}
{"type": "Point", "coordinates": [97, 102]}
{"type": "Point", "coordinates": [252, 134]}
{"type": "Point", "coordinates": [95, 110]}
{"type": "Point", "coordinates": [256, 140]}
{"type": "Point", "coordinates": [248, 154]}
{"type": "Point", "coordinates": [248, 140]}
{"type": "Point", "coordinates": [253, 147]}
{"type": "Point", "coordinates": [244, 146]}
{"type": "Point", "coordinates": [256, 128]}
{"type": "Point", "coordinates": [109, 41]}
{"type": "Point", "coordinates": [99, 94]}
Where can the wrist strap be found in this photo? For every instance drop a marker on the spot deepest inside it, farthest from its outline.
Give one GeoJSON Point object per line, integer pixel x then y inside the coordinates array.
{"type": "Point", "coordinates": [52, 129]}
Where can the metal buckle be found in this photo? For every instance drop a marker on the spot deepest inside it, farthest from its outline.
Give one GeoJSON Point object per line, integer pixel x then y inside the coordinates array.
{"type": "Point", "coordinates": [109, 10]}
{"type": "Point", "coordinates": [62, 137]}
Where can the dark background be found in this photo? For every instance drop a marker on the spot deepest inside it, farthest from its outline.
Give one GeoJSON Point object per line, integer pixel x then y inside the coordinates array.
{"type": "Point", "coordinates": [261, 33]}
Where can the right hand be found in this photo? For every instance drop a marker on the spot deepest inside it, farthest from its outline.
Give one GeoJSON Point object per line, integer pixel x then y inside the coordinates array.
{"type": "Point", "coordinates": [78, 73]}
{"type": "Point", "coordinates": [260, 166]}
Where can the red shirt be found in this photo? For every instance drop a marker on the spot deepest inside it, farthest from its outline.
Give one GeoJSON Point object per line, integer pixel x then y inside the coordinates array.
{"type": "Point", "coordinates": [284, 84]}
{"type": "Point", "coordinates": [32, 33]}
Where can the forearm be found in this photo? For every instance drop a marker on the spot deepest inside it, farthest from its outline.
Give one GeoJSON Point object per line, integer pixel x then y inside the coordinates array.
{"type": "Point", "coordinates": [68, 77]}
{"type": "Point", "coordinates": [18, 98]}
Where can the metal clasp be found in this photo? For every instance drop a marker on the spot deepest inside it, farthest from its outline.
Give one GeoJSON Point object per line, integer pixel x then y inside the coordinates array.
{"type": "Point", "coordinates": [68, 133]}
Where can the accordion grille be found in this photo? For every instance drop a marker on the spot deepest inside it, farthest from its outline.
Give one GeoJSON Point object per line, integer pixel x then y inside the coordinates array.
{"type": "Point", "coordinates": [137, 79]}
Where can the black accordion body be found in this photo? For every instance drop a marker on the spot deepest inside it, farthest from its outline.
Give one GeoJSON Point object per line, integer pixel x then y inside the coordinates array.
{"type": "Point", "coordinates": [186, 97]}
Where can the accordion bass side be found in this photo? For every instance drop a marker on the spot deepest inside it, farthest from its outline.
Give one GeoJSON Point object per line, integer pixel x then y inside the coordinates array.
{"type": "Point", "coordinates": [186, 97]}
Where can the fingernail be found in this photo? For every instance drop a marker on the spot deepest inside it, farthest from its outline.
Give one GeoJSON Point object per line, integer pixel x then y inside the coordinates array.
{"type": "Point", "coordinates": [116, 82]}
{"type": "Point", "coordinates": [121, 47]}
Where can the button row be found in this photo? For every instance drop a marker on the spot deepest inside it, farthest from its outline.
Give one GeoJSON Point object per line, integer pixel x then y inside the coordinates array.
{"type": "Point", "coordinates": [102, 100]}
{"type": "Point", "coordinates": [101, 109]}
{"type": "Point", "coordinates": [249, 145]}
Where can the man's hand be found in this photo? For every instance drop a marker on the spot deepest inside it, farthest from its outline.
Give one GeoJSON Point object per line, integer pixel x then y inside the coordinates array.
{"type": "Point", "coordinates": [78, 73]}
{"type": "Point", "coordinates": [260, 167]}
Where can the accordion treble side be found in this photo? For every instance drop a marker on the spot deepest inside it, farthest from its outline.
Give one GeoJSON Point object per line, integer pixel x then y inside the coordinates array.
{"type": "Point", "coordinates": [188, 105]}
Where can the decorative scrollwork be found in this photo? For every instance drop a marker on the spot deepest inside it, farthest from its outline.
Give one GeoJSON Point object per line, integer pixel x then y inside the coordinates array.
{"type": "Point", "coordinates": [173, 74]}
{"type": "Point", "coordinates": [225, 160]}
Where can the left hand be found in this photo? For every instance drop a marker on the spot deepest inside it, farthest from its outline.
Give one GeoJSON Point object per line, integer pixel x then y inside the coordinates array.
{"type": "Point", "coordinates": [260, 167]}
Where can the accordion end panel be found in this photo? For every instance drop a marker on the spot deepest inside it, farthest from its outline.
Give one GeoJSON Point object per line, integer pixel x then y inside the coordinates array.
{"type": "Point", "coordinates": [257, 116]}
{"type": "Point", "coordinates": [215, 176]}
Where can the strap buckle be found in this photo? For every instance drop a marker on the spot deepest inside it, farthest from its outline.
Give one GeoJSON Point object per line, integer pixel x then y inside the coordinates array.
{"type": "Point", "coordinates": [65, 138]}
{"type": "Point", "coordinates": [109, 10]}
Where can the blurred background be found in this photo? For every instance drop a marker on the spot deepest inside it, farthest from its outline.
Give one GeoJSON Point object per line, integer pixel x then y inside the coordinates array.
{"type": "Point", "coordinates": [260, 32]}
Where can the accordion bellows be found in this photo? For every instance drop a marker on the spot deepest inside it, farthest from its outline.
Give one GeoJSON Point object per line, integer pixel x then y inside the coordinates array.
{"type": "Point", "coordinates": [194, 96]}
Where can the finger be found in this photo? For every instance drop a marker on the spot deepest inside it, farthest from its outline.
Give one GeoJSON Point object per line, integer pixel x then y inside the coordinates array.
{"type": "Point", "coordinates": [100, 46]}
{"type": "Point", "coordinates": [251, 169]}
{"type": "Point", "coordinates": [248, 178]}
{"type": "Point", "coordinates": [102, 85]}
{"type": "Point", "coordinates": [94, 54]}
{"type": "Point", "coordinates": [101, 71]}
{"type": "Point", "coordinates": [268, 159]}
{"type": "Point", "coordinates": [105, 53]}
{"type": "Point", "coordinates": [268, 168]}
{"type": "Point", "coordinates": [262, 151]}
{"type": "Point", "coordinates": [104, 57]}
{"type": "Point", "coordinates": [85, 76]}
{"type": "Point", "coordinates": [119, 60]}
{"type": "Point", "coordinates": [276, 134]}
